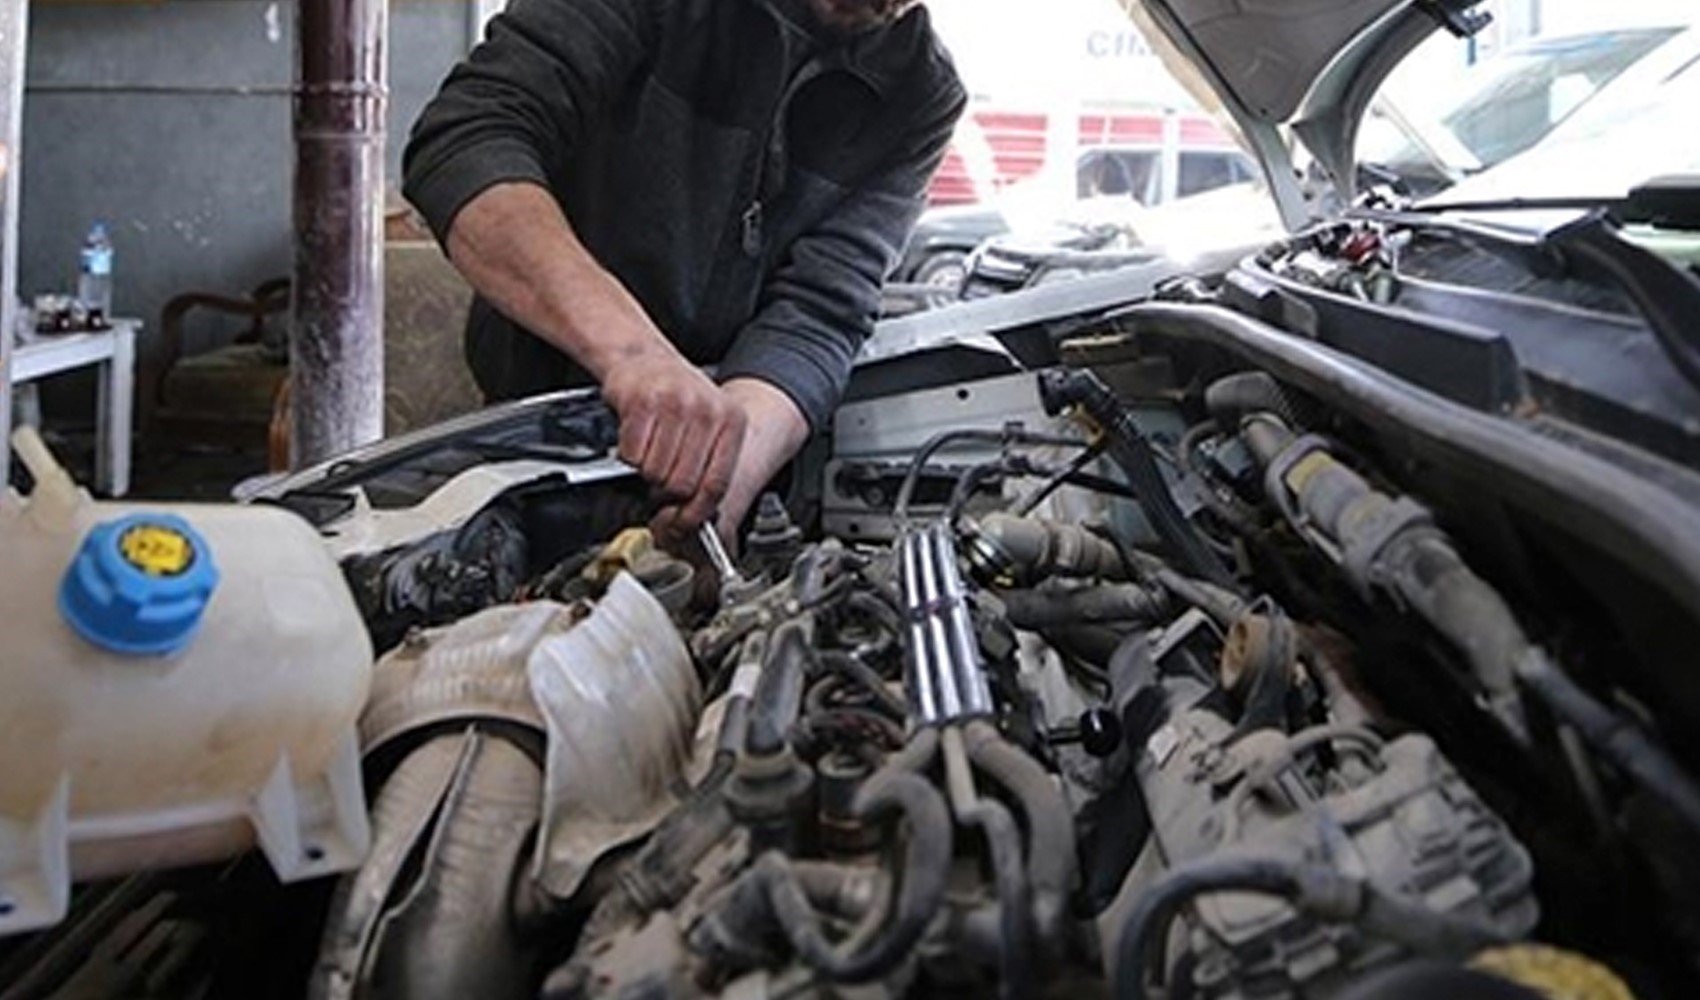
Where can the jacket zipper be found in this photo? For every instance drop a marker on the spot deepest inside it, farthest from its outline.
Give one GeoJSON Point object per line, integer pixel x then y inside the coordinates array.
{"type": "Point", "coordinates": [772, 150]}
{"type": "Point", "coordinates": [752, 227]}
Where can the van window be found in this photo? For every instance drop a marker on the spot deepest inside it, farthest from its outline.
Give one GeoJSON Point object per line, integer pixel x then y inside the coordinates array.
{"type": "Point", "coordinates": [1117, 172]}
{"type": "Point", "coordinates": [1202, 172]}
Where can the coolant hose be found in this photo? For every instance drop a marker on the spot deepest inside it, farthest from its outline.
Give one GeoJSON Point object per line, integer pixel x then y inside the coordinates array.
{"type": "Point", "coordinates": [1028, 548]}
{"type": "Point", "coordinates": [1051, 855]}
{"type": "Point", "coordinates": [926, 864]}
{"type": "Point", "coordinates": [1062, 388]}
{"type": "Point", "coordinates": [1316, 890]}
{"type": "Point", "coordinates": [779, 691]}
{"type": "Point", "coordinates": [1014, 942]}
{"type": "Point", "coordinates": [1130, 603]}
{"type": "Point", "coordinates": [1392, 544]}
{"type": "Point", "coordinates": [1433, 580]}
{"type": "Point", "coordinates": [1234, 397]}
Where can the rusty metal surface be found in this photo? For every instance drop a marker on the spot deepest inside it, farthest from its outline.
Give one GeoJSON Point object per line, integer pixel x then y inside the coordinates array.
{"type": "Point", "coordinates": [336, 338]}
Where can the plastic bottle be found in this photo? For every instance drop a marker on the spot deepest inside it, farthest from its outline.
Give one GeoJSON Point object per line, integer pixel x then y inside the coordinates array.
{"type": "Point", "coordinates": [94, 277]}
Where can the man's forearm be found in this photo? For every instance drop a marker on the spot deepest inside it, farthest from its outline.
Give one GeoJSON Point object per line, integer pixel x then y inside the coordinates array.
{"type": "Point", "coordinates": [518, 250]}
{"type": "Point", "coordinates": [677, 428]}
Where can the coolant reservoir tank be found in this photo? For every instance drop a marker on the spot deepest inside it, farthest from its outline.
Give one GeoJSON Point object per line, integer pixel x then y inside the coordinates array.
{"type": "Point", "coordinates": [178, 683]}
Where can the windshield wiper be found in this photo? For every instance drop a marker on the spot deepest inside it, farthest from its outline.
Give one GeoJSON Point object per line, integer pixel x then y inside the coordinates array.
{"type": "Point", "coordinates": [1666, 202]}
{"type": "Point", "coordinates": [1582, 204]}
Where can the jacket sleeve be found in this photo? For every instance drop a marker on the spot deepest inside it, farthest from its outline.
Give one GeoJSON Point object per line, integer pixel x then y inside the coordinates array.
{"type": "Point", "coordinates": [820, 304]}
{"type": "Point", "coordinates": [515, 108]}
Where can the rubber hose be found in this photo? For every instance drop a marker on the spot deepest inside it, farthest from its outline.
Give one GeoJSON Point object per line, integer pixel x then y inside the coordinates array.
{"type": "Point", "coordinates": [917, 755]}
{"type": "Point", "coordinates": [1222, 605]}
{"type": "Point", "coordinates": [1614, 737]}
{"type": "Point", "coordinates": [926, 865]}
{"type": "Point", "coordinates": [779, 691]}
{"type": "Point", "coordinates": [1234, 397]}
{"type": "Point", "coordinates": [1039, 549]}
{"type": "Point", "coordinates": [918, 464]}
{"type": "Point", "coordinates": [660, 875]}
{"type": "Point", "coordinates": [1134, 456]}
{"type": "Point", "coordinates": [1130, 451]}
{"type": "Point", "coordinates": [1051, 861]}
{"type": "Point", "coordinates": [1417, 561]}
{"type": "Point", "coordinates": [809, 573]}
{"type": "Point", "coordinates": [1266, 437]}
{"type": "Point", "coordinates": [1125, 603]}
{"type": "Point", "coordinates": [967, 483]}
{"type": "Point", "coordinates": [1091, 643]}
{"type": "Point", "coordinates": [1316, 890]}
{"type": "Point", "coordinates": [866, 678]}
{"type": "Point", "coordinates": [869, 605]}
{"type": "Point", "coordinates": [1434, 580]}
{"type": "Point", "coordinates": [846, 892]}
{"type": "Point", "coordinates": [1015, 946]}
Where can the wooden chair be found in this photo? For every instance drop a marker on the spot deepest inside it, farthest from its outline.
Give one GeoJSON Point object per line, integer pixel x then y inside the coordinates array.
{"type": "Point", "coordinates": [231, 396]}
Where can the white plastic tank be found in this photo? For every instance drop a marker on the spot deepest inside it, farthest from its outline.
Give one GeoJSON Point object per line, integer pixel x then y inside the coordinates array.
{"type": "Point", "coordinates": [201, 701]}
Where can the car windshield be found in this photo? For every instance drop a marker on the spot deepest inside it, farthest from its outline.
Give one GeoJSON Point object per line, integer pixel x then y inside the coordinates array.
{"type": "Point", "coordinates": [1457, 108]}
{"type": "Point", "coordinates": [1526, 94]}
{"type": "Point", "coordinates": [1614, 144]}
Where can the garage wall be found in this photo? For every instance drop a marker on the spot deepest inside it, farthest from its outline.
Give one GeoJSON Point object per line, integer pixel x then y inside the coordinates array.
{"type": "Point", "coordinates": [170, 120]}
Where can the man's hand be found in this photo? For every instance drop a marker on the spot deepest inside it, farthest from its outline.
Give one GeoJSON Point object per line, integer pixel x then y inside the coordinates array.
{"type": "Point", "coordinates": [774, 429]}
{"type": "Point", "coordinates": [676, 426]}
{"type": "Point", "coordinates": [679, 429]}
{"type": "Point", "coordinates": [709, 449]}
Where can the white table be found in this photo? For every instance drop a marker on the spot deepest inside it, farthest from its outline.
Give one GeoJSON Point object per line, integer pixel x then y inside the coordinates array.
{"type": "Point", "coordinates": [114, 351]}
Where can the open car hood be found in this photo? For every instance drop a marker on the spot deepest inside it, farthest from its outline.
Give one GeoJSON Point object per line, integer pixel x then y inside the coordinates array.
{"type": "Point", "coordinates": [1311, 66]}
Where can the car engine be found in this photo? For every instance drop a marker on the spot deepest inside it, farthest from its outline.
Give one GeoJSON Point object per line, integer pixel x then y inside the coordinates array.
{"type": "Point", "coordinates": [1201, 661]}
{"type": "Point", "coordinates": [1195, 741]}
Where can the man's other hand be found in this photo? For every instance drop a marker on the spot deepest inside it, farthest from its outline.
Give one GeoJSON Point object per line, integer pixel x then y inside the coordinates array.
{"type": "Point", "coordinates": [774, 430]}
{"type": "Point", "coordinates": [677, 428]}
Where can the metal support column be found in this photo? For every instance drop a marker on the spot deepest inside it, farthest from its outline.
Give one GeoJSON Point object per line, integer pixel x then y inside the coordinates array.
{"type": "Point", "coordinates": [14, 28]}
{"type": "Point", "coordinates": [336, 336]}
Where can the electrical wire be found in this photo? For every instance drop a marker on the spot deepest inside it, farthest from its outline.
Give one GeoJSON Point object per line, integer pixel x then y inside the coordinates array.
{"type": "Point", "coordinates": [1003, 437]}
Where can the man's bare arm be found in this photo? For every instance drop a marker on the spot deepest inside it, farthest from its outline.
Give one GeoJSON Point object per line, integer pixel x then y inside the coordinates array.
{"type": "Point", "coordinates": [518, 250]}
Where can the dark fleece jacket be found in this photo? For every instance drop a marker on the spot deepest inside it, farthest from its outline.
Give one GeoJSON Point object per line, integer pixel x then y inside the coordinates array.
{"type": "Point", "coordinates": [749, 179]}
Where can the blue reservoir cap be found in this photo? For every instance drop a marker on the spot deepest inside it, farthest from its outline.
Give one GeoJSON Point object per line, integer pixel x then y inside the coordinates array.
{"type": "Point", "coordinates": [138, 585]}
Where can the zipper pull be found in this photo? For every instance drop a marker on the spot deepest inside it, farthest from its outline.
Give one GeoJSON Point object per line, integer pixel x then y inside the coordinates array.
{"type": "Point", "coordinates": [752, 229]}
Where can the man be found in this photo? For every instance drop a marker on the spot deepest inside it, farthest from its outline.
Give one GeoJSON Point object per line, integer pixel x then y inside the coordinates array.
{"type": "Point", "coordinates": [638, 187]}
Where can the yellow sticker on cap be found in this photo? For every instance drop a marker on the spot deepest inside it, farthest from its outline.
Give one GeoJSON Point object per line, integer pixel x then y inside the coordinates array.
{"type": "Point", "coordinates": [156, 549]}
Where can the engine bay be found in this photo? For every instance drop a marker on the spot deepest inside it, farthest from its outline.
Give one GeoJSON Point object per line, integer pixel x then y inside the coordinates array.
{"type": "Point", "coordinates": [1208, 660]}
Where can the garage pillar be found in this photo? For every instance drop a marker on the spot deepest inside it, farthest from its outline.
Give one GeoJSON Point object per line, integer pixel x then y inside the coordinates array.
{"type": "Point", "coordinates": [336, 334]}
